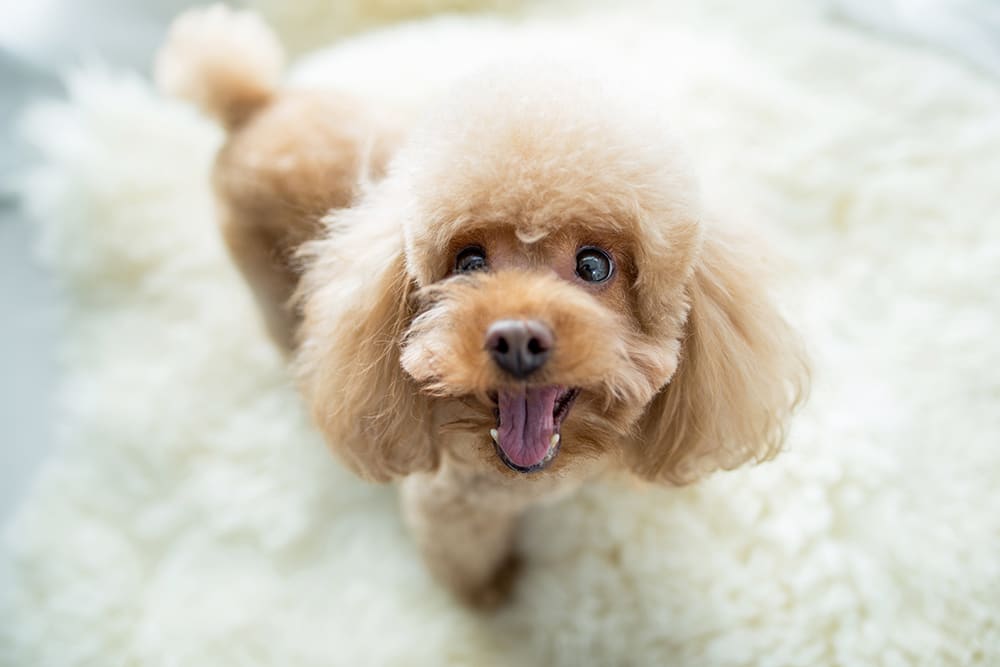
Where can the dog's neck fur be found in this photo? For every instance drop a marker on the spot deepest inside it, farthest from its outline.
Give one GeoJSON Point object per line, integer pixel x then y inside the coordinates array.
{"type": "Point", "coordinates": [464, 515]}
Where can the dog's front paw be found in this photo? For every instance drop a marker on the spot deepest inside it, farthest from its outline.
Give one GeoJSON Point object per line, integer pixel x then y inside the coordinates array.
{"type": "Point", "coordinates": [498, 589]}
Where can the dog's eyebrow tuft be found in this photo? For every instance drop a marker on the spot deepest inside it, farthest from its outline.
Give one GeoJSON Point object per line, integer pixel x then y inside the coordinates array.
{"type": "Point", "coordinates": [531, 235]}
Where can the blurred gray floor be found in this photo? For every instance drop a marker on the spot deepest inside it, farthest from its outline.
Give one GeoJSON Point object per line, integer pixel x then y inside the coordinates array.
{"type": "Point", "coordinates": [28, 301]}
{"type": "Point", "coordinates": [27, 344]}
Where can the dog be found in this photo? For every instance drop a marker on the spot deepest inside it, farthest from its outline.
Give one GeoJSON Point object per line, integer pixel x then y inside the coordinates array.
{"type": "Point", "coordinates": [496, 301]}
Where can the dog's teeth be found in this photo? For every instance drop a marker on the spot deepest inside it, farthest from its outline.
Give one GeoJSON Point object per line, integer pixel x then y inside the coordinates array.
{"type": "Point", "coordinates": [495, 435]}
{"type": "Point", "coordinates": [554, 441]}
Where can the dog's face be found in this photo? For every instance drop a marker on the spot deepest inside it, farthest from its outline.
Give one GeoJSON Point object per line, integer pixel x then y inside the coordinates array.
{"type": "Point", "coordinates": [540, 341]}
{"type": "Point", "coordinates": [557, 292]}
{"type": "Point", "coordinates": [537, 343]}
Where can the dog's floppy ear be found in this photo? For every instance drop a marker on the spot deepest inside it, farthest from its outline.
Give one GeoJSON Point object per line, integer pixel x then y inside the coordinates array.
{"type": "Point", "coordinates": [741, 373]}
{"type": "Point", "coordinates": [355, 301]}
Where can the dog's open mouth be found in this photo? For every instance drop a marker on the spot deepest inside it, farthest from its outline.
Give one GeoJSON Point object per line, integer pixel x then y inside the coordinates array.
{"type": "Point", "coordinates": [528, 422]}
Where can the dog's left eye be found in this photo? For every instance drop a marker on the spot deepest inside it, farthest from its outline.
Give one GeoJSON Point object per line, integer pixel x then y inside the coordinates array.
{"type": "Point", "coordinates": [469, 259]}
{"type": "Point", "coordinates": [594, 265]}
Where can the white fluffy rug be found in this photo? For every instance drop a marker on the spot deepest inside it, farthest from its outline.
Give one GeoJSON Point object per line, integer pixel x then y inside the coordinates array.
{"type": "Point", "coordinates": [192, 517]}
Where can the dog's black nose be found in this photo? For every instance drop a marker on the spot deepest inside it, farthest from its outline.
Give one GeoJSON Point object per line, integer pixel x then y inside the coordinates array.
{"type": "Point", "coordinates": [520, 347]}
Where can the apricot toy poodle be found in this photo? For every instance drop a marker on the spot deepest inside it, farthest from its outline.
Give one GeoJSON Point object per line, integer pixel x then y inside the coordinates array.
{"type": "Point", "coordinates": [494, 302]}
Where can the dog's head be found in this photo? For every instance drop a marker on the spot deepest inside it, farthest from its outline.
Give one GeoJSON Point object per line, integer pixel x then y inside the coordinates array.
{"type": "Point", "coordinates": [537, 270]}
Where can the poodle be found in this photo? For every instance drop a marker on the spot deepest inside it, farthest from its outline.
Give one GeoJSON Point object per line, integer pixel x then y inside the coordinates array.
{"type": "Point", "coordinates": [496, 300]}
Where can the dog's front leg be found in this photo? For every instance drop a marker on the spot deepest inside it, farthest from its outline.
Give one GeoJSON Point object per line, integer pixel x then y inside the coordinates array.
{"type": "Point", "coordinates": [465, 534]}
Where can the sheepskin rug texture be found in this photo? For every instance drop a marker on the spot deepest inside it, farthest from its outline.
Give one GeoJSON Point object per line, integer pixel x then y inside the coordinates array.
{"type": "Point", "coordinates": [307, 24]}
{"type": "Point", "coordinates": [193, 517]}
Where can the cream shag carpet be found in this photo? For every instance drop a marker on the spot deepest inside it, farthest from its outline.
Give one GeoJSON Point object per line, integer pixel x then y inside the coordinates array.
{"type": "Point", "coordinates": [192, 517]}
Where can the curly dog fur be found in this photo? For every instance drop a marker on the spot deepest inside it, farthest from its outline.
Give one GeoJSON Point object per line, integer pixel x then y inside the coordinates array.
{"type": "Point", "coordinates": [349, 224]}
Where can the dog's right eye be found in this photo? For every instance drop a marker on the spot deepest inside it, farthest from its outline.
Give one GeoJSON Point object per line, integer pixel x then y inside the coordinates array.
{"type": "Point", "coordinates": [470, 259]}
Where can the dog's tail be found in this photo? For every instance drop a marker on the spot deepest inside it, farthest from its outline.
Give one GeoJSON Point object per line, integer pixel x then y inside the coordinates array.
{"type": "Point", "coordinates": [227, 62]}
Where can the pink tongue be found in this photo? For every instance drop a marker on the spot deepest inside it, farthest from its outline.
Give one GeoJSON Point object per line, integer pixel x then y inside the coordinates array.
{"type": "Point", "coordinates": [526, 425]}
